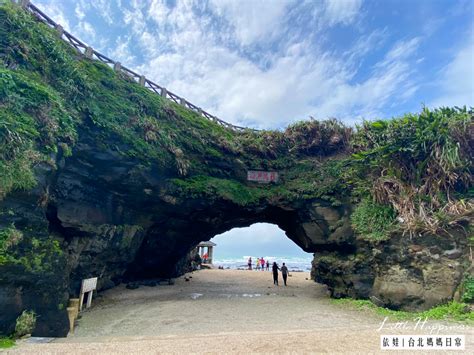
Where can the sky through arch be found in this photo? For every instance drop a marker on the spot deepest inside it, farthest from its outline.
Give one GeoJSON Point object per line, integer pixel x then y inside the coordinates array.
{"type": "Point", "coordinates": [258, 240]}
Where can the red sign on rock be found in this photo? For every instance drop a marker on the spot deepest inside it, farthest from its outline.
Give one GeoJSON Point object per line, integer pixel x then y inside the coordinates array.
{"type": "Point", "coordinates": [262, 176]}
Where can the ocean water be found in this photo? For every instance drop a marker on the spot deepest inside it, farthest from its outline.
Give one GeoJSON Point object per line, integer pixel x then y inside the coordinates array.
{"type": "Point", "coordinates": [293, 263]}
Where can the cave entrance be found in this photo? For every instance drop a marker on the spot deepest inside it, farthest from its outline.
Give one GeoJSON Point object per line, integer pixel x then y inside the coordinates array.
{"type": "Point", "coordinates": [166, 248]}
{"type": "Point", "coordinates": [219, 300]}
{"type": "Point", "coordinates": [259, 240]}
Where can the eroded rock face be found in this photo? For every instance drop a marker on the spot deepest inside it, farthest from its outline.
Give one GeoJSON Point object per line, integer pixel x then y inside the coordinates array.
{"type": "Point", "coordinates": [118, 220]}
{"type": "Point", "coordinates": [401, 273]}
{"type": "Point", "coordinates": [427, 270]}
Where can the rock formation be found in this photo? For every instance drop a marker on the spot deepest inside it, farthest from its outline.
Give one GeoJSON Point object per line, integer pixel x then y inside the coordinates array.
{"type": "Point", "coordinates": [100, 177]}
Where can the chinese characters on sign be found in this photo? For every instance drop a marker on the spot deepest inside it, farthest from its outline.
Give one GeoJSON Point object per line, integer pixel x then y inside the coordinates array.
{"type": "Point", "coordinates": [422, 342]}
{"type": "Point", "coordinates": [262, 176]}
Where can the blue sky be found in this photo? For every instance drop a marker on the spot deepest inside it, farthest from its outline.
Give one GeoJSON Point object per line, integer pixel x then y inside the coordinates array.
{"type": "Point", "coordinates": [258, 240]}
{"type": "Point", "coordinates": [266, 64]}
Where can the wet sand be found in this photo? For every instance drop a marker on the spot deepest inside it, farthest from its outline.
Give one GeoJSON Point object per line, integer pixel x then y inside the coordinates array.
{"type": "Point", "coordinates": [222, 311]}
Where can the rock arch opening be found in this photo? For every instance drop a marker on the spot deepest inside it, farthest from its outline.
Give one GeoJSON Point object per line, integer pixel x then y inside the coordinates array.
{"type": "Point", "coordinates": [266, 240]}
{"type": "Point", "coordinates": [165, 249]}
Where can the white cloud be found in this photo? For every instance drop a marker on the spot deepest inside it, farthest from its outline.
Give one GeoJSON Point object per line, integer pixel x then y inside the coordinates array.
{"type": "Point", "coordinates": [85, 31]}
{"type": "Point", "coordinates": [341, 11]}
{"type": "Point", "coordinates": [121, 52]}
{"type": "Point", "coordinates": [79, 11]}
{"type": "Point", "coordinates": [101, 8]}
{"type": "Point", "coordinates": [298, 81]}
{"type": "Point", "coordinates": [456, 80]}
{"type": "Point", "coordinates": [158, 12]}
{"type": "Point", "coordinates": [402, 49]}
{"type": "Point", "coordinates": [104, 9]}
{"type": "Point", "coordinates": [135, 17]}
{"type": "Point", "coordinates": [56, 12]}
{"type": "Point", "coordinates": [252, 21]}
{"type": "Point", "coordinates": [392, 79]}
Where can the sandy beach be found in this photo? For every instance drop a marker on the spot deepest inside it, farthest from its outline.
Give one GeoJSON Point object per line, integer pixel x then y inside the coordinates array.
{"type": "Point", "coordinates": [222, 311]}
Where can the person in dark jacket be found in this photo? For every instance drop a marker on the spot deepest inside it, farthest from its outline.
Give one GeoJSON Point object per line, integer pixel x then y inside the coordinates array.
{"type": "Point", "coordinates": [275, 269]}
{"type": "Point", "coordinates": [284, 273]}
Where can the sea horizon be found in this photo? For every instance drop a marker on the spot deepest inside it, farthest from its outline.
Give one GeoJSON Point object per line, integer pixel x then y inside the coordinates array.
{"type": "Point", "coordinates": [240, 262]}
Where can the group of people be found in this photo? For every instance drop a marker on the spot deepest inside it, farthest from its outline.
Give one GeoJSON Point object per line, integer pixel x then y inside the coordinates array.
{"type": "Point", "coordinates": [262, 264]}
{"type": "Point", "coordinates": [259, 264]}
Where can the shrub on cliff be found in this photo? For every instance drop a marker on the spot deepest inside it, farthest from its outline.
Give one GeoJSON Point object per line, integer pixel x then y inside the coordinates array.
{"type": "Point", "coordinates": [315, 137]}
{"type": "Point", "coordinates": [25, 324]}
{"type": "Point", "coordinates": [303, 138]}
{"type": "Point", "coordinates": [34, 253]}
{"type": "Point", "coordinates": [468, 289]}
{"type": "Point", "coordinates": [373, 221]}
{"type": "Point", "coordinates": [421, 165]}
{"type": "Point", "coordinates": [33, 121]}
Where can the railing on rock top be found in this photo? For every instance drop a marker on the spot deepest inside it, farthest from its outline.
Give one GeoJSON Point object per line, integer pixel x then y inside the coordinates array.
{"type": "Point", "coordinates": [91, 53]}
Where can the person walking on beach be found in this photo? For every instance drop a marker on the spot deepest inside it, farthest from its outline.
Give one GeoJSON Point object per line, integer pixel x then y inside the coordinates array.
{"type": "Point", "coordinates": [268, 265]}
{"type": "Point", "coordinates": [249, 263]}
{"type": "Point", "coordinates": [257, 264]}
{"type": "Point", "coordinates": [284, 273]}
{"type": "Point", "coordinates": [275, 269]}
{"type": "Point", "coordinates": [262, 263]}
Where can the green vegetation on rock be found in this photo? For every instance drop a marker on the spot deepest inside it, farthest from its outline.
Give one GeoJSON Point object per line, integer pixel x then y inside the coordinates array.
{"type": "Point", "coordinates": [34, 254]}
{"type": "Point", "coordinates": [32, 122]}
{"type": "Point", "coordinates": [205, 186]}
{"type": "Point", "coordinates": [421, 165]}
{"type": "Point", "coordinates": [468, 290]}
{"type": "Point", "coordinates": [454, 311]}
{"type": "Point", "coordinates": [25, 323]}
{"type": "Point", "coordinates": [373, 221]}
{"type": "Point", "coordinates": [9, 237]}
{"type": "Point", "coordinates": [6, 343]}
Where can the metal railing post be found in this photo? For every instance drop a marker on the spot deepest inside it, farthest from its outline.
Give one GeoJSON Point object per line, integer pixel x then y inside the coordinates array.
{"type": "Point", "coordinates": [59, 30]}
{"type": "Point", "coordinates": [163, 92]}
{"type": "Point", "coordinates": [117, 66]}
{"type": "Point", "coordinates": [142, 79]}
{"type": "Point", "coordinates": [88, 52]}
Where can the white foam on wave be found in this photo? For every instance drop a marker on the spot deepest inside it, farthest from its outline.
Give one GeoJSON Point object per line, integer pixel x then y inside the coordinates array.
{"type": "Point", "coordinates": [293, 263]}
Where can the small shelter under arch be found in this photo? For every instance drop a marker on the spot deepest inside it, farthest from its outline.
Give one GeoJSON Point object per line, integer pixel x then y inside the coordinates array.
{"type": "Point", "coordinates": [206, 249]}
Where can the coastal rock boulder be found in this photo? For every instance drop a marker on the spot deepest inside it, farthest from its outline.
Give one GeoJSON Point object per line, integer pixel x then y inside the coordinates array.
{"type": "Point", "coordinates": [396, 273]}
